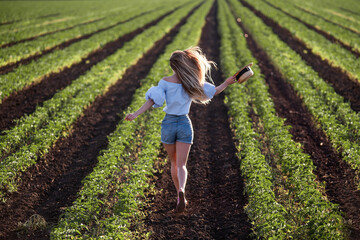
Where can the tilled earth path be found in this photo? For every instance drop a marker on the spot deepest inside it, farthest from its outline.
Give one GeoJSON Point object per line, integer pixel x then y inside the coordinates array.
{"type": "Point", "coordinates": [215, 186]}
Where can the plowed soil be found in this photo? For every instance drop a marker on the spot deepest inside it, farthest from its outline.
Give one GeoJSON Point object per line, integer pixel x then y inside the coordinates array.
{"type": "Point", "coordinates": [51, 185]}
{"type": "Point", "coordinates": [340, 179]}
{"type": "Point", "coordinates": [215, 186]}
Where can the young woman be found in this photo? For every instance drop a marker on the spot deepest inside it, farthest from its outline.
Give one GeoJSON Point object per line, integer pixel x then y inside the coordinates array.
{"type": "Point", "coordinates": [185, 86]}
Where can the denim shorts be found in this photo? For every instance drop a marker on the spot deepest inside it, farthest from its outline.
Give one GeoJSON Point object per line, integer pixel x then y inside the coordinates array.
{"type": "Point", "coordinates": [176, 128]}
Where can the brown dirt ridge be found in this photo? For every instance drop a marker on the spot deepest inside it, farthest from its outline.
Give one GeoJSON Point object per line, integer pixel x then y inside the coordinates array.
{"type": "Point", "coordinates": [215, 186]}
{"type": "Point", "coordinates": [341, 187]}
{"type": "Point", "coordinates": [51, 185]}
{"type": "Point", "coordinates": [25, 101]}
{"type": "Point", "coordinates": [335, 76]}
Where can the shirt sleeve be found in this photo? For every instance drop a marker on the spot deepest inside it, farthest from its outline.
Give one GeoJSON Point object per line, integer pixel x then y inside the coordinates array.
{"type": "Point", "coordinates": [157, 94]}
{"type": "Point", "coordinates": [209, 90]}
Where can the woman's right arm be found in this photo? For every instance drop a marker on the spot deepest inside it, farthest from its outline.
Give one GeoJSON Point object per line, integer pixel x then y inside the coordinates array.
{"type": "Point", "coordinates": [227, 82]}
{"type": "Point", "coordinates": [143, 108]}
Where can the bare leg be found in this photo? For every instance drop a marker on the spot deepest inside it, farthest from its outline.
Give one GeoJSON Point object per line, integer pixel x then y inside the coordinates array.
{"type": "Point", "coordinates": [182, 154]}
{"type": "Point", "coordinates": [171, 151]}
{"type": "Point", "coordinates": [178, 154]}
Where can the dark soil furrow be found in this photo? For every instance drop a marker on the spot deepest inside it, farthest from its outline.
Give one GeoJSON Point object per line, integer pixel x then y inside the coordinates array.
{"type": "Point", "coordinates": [321, 32]}
{"type": "Point", "coordinates": [340, 179]}
{"type": "Point", "coordinates": [215, 186]}
{"type": "Point", "coordinates": [25, 101]}
{"type": "Point", "coordinates": [335, 76]}
{"type": "Point", "coordinates": [326, 20]}
{"type": "Point", "coordinates": [47, 33]}
{"type": "Point", "coordinates": [48, 187]}
{"type": "Point", "coordinates": [10, 67]}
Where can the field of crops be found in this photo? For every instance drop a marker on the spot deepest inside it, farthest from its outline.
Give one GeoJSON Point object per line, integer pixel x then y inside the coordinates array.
{"type": "Point", "coordinates": [275, 158]}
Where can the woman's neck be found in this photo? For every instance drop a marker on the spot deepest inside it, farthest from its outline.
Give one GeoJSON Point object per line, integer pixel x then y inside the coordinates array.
{"type": "Point", "coordinates": [173, 78]}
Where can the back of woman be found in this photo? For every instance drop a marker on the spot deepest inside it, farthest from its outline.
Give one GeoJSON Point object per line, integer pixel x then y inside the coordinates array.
{"type": "Point", "coordinates": [186, 85]}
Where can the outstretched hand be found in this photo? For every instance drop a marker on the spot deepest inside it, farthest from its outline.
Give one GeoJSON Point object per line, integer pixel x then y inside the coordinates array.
{"type": "Point", "coordinates": [130, 117]}
{"type": "Point", "coordinates": [231, 80]}
{"type": "Point", "coordinates": [227, 82]}
{"type": "Point", "coordinates": [143, 108]}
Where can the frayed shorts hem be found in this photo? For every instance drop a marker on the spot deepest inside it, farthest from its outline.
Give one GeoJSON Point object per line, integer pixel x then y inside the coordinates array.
{"type": "Point", "coordinates": [177, 141]}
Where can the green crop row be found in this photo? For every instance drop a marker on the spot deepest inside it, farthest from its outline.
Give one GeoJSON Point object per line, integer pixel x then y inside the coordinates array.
{"type": "Point", "coordinates": [341, 18]}
{"type": "Point", "coordinates": [17, 34]}
{"type": "Point", "coordinates": [336, 55]}
{"type": "Point", "coordinates": [33, 24]}
{"type": "Point", "coordinates": [328, 13]}
{"type": "Point", "coordinates": [58, 60]}
{"type": "Point", "coordinates": [312, 214]}
{"type": "Point", "coordinates": [349, 8]}
{"type": "Point", "coordinates": [340, 123]}
{"type": "Point", "coordinates": [123, 170]}
{"type": "Point", "coordinates": [267, 216]}
{"type": "Point", "coordinates": [22, 15]}
{"type": "Point", "coordinates": [346, 36]}
{"type": "Point", "coordinates": [29, 48]}
{"type": "Point", "coordinates": [346, 23]}
{"type": "Point", "coordinates": [38, 31]}
{"type": "Point", "coordinates": [36, 133]}
{"type": "Point", "coordinates": [18, 14]}
{"type": "Point", "coordinates": [36, 25]}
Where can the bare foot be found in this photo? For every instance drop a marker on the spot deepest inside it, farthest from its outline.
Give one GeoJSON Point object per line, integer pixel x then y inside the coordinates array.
{"type": "Point", "coordinates": [181, 204]}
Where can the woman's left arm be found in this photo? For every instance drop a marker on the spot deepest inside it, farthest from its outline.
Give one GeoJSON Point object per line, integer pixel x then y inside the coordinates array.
{"type": "Point", "coordinates": [224, 85]}
{"type": "Point", "coordinates": [143, 108]}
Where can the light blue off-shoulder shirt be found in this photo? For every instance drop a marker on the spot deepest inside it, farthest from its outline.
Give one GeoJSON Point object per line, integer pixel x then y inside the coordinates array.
{"type": "Point", "coordinates": [177, 100]}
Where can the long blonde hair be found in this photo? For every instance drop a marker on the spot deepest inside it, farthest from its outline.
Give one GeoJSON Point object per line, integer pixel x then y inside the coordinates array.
{"type": "Point", "coordinates": [192, 68]}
